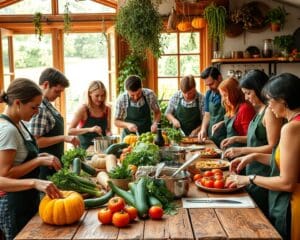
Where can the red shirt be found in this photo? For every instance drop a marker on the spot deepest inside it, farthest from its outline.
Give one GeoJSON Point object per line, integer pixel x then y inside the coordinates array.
{"type": "Point", "coordinates": [244, 116]}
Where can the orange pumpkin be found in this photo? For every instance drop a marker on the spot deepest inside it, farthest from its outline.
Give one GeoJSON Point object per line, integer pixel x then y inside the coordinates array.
{"type": "Point", "coordinates": [198, 22]}
{"type": "Point", "coordinates": [62, 211]}
{"type": "Point", "coordinates": [184, 26]}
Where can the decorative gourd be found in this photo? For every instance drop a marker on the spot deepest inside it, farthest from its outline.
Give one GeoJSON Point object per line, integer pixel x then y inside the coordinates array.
{"type": "Point", "coordinates": [130, 139]}
{"type": "Point", "coordinates": [184, 26]}
{"type": "Point", "coordinates": [62, 211]}
{"type": "Point", "coordinates": [198, 22]}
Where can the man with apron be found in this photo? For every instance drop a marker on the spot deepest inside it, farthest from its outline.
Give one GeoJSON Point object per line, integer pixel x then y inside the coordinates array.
{"type": "Point", "coordinates": [133, 108]}
{"type": "Point", "coordinates": [185, 108]}
{"type": "Point", "coordinates": [48, 125]}
{"type": "Point", "coordinates": [214, 111]}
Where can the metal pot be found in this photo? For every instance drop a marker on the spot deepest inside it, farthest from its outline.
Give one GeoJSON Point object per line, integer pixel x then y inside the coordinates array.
{"type": "Point", "coordinates": [102, 143]}
{"type": "Point", "coordinates": [178, 185]}
{"type": "Point", "coordinates": [175, 154]}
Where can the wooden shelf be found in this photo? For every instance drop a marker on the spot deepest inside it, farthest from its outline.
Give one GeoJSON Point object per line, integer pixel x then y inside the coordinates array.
{"type": "Point", "coordinates": [254, 60]}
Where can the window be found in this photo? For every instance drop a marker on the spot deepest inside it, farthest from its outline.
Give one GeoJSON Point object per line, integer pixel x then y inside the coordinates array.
{"type": "Point", "coordinates": [181, 57]}
{"type": "Point", "coordinates": [28, 7]}
{"type": "Point", "coordinates": [84, 7]}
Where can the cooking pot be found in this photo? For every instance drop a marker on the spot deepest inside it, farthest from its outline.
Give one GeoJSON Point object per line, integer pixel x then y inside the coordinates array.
{"type": "Point", "coordinates": [102, 143]}
{"type": "Point", "coordinates": [178, 185]}
{"type": "Point", "coordinates": [176, 154]}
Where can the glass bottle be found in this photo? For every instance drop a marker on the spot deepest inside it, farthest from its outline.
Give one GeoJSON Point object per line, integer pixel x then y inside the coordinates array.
{"type": "Point", "coordinates": [159, 140]}
{"type": "Point", "coordinates": [268, 48]}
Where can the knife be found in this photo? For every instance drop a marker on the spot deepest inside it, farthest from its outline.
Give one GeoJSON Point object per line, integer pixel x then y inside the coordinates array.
{"type": "Point", "coordinates": [213, 201]}
{"type": "Point", "coordinates": [182, 132]}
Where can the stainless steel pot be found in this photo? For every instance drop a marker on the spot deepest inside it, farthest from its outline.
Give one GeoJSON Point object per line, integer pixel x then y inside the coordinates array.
{"type": "Point", "coordinates": [102, 143]}
{"type": "Point", "coordinates": [175, 154]}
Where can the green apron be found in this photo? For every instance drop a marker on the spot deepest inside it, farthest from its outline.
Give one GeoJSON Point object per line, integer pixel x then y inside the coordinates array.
{"type": "Point", "coordinates": [216, 112]}
{"type": "Point", "coordinates": [56, 149]}
{"type": "Point", "coordinates": [230, 131]}
{"type": "Point", "coordinates": [86, 139]}
{"type": "Point", "coordinates": [279, 206]}
{"type": "Point", "coordinates": [140, 116]}
{"type": "Point", "coordinates": [257, 136]}
{"type": "Point", "coordinates": [189, 118]}
{"type": "Point", "coordinates": [23, 205]}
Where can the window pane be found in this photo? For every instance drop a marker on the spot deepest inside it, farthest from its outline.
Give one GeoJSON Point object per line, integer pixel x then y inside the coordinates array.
{"type": "Point", "coordinates": [84, 7]}
{"type": "Point", "coordinates": [167, 66]}
{"type": "Point", "coordinates": [190, 65]}
{"type": "Point", "coordinates": [169, 43]}
{"type": "Point", "coordinates": [85, 61]}
{"type": "Point", "coordinates": [189, 42]}
{"type": "Point", "coordinates": [5, 59]}
{"type": "Point", "coordinates": [32, 56]}
{"type": "Point", "coordinates": [28, 7]}
{"type": "Point", "coordinates": [167, 87]}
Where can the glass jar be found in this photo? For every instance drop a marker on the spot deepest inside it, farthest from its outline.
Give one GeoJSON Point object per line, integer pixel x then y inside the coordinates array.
{"type": "Point", "coordinates": [268, 48]}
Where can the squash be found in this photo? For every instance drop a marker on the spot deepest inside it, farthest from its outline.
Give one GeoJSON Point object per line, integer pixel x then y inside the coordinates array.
{"type": "Point", "coordinates": [130, 139]}
{"type": "Point", "coordinates": [198, 23]}
{"type": "Point", "coordinates": [184, 26]}
{"type": "Point", "coordinates": [62, 211]}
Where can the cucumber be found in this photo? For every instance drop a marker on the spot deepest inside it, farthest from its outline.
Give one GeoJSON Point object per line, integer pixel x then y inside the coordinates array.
{"type": "Point", "coordinates": [88, 169]}
{"type": "Point", "coordinates": [133, 186]}
{"type": "Point", "coordinates": [153, 201]}
{"type": "Point", "coordinates": [140, 198]}
{"type": "Point", "coordinates": [114, 148]}
{"type": "Point", "coordinates": [76, 165]}
{"type": "Point", "coordinates": [127, 196]}
{"type": "Point", "coordinates": [97, 202]}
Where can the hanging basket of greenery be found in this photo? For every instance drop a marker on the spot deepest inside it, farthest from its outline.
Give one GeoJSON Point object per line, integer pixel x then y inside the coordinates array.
{"type": "Point", "coordinates": [139, 22]}
{"type": "Point", "coordinates": [216, 20]}
{"type": "Point", "coordinates": [37, 21]}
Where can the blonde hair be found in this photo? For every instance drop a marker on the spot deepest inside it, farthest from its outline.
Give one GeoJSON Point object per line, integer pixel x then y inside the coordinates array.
{"type": "Point", "coordinates": [95, 85]}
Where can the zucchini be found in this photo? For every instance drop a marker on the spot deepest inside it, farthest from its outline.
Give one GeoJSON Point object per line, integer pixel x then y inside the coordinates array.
{"type": "Point", "coordinates": [97, 202]}
{"type": "Point", "coordinates": [88, 169]}
{"type": "Point", "coordinates": [132, 186]}
{"type": "Point", "coordinates": [114, 148]}
{"type": "Point", "coordinates": [153, 201]}
{"type": "Point", "coordinates": [140, 198]}
{"type": "Point", "coordinates": [76, 165]}
{"type": "Point", "coordinates": [127, 196]}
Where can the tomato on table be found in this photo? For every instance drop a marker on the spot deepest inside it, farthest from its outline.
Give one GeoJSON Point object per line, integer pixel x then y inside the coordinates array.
{"type": "Point", "coordinates": [105, 216]}
{"type": "Point", "coordinates": [132, 211]}
{"type": "Point", "coordinates": [120, 219]}
{"type": "Point", "coordinates": [116, 204]}
{"type": "Point", "coordinates": [156, 212]}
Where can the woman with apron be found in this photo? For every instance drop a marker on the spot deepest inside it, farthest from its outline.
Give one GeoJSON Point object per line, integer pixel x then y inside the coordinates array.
{"type": "Point", "coordinates": [134, 107]}
{"type": "Point", "coordinates": [92, 119]}
{"type": "Point", "coordinates": [19, 155]}
{"type": "Point", "coordinates": [284, 180]}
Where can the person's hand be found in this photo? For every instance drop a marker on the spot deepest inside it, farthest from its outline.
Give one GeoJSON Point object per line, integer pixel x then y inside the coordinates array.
{"type": "Point", "coordinates": [47, 187]}
{"type": "Point", "coordinates": [226, 142]}
{"type": "Point", "coordinates": [233, 181]}
{"type": "Point", "coordinates": [176, 123]}
{"type": "Point", "coordinates": [108, 133]}
{"type": "Point", "coordinates": [194, 132]}
{"type": "Point", "coordinates": [238, 164]}
{"type": "Point", "coordinates": [202, 135]}
{"type": "Point", "coordinates": [50, 160]}
{"type": "Point", "coordinates": [216, 126]}
{"type": "Point", "coordinates": [233, 152]}
{"type": "Point", "coordinates": [154, 127]}
{"type": "Point", "coordinates": [73, 140]}
{"type": "Point", "coordinates": [96, 129]}
{"type": "Point", "coordinates": [132, 127]}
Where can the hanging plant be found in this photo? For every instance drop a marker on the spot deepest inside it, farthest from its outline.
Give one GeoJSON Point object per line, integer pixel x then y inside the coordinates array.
{"type": "Point", "coordinates": [139, 22]}
{"type": "Point", "coordinates": [67, 18]}
{"type": "Point", "coordinates": [37, 21]}
{"type": "Point", "coordinates": [216, 20]}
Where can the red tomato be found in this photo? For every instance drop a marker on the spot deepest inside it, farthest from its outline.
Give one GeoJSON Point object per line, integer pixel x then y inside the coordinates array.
{"type": "Point", "coordinates": [218, 177]}
{"type": "Point", "coordinates": [217, 171]}
{"type": "Point", "coordinates": [116, 204]}
{"type": "Point", "coordinates": [197, 177]}
{"type": "Point", "coordinates": [132, 211]}
{"type": "Point", "coordinates": [105, 216]}
{"type": "Point", "coordinates": [208, 174]}
{"type": "Point", "coordinates": [209, 183]}
{"type": "Point", "coordinates": [202, 181]}
{"type": "Point", "coordinates": [156, 212]}
{"type": "Point", "coordinates": [219, 184]}
{"type": "Point", "coordinates": [120, 219]}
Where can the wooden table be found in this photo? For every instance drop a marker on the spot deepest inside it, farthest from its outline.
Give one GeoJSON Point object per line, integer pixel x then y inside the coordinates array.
{"type": "Point", "coordinates": [188, 224]}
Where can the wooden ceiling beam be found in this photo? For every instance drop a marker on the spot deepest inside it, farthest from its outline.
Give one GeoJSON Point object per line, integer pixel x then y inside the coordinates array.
{"type": "Point", "coordinates": [5, 3]}
{"type": "Point", "coordinates": [108, 3]}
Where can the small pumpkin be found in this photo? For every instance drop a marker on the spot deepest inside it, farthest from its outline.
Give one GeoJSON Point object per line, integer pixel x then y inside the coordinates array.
{"type": "Point", "coordinates": [130, 139]}
{"type": "Point", "coordinates": [198, 23]}
{"type": "Point", "coordinates": [62, 211]}
{"type": "Point", "coordinates": [184, 26]}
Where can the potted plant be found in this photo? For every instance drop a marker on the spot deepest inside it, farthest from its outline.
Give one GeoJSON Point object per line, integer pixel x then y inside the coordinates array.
{"type": "Point", "coordinates": [139, 22]}
{"type": "Point", "coordinates": [216, 21]}
{"type": "Point", "coordinates": [276, 17]}
{"type": "Point", "coordinates": [284, 43]}
{"type": "Point", "coordinates": [120, 176]}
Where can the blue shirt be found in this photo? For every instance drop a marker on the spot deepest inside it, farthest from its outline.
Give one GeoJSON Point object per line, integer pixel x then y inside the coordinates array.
{"type": "Point", "coordinates": [216, 98]}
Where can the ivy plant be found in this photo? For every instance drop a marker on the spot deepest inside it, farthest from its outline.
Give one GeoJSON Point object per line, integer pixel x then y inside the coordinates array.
{"type": "Point", "coordinates": [37, 21]}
